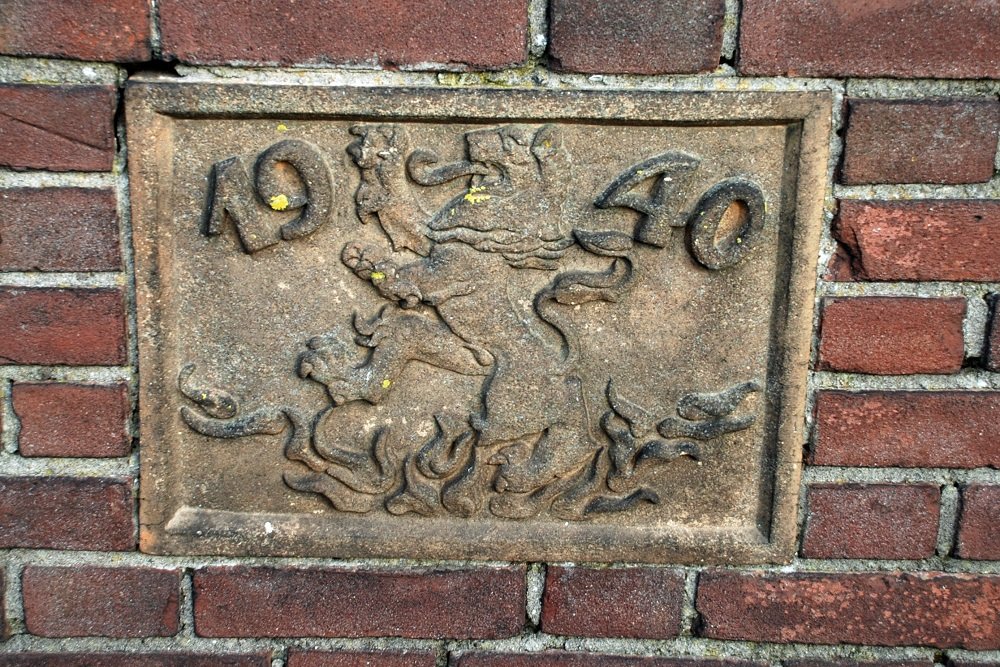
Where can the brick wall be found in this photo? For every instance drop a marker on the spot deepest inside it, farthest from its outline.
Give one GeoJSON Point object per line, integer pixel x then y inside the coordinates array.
{"type": "Point", "coordinates": [898, 561]}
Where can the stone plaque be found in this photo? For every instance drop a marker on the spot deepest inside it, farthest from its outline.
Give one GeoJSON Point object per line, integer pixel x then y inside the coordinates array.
{"type": "Point", "coordinates": [473, 324]}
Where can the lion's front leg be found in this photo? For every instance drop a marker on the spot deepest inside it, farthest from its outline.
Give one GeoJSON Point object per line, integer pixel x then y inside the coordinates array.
{"type": "Point", "coordinates": [371, 265]}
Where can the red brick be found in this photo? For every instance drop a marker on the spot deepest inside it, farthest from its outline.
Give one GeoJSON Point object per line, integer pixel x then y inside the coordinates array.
{"type": "Point", "coordinates": [72, 419]}
{"type": "Point", "coordinates": [115, 30]}
{"type": "Point", "coordinates": [60, 128]}
{"type": "Point", "coordinates": [77, 327]}
{"type": "Point", "coordinates": [271, 602]}
{"type": "Point", "coordinates": [636, 37]}
{"type": "Point", "coordinates": [920, 141]}
{"type": "Point", "coordinates": [977, 527]}
{"type": "Point", "coordinates": [58, 229]}
{"type": "Point", "coordinates": [896, 38]}
{"type": "Point", "coordinates": [854, 663]}
{"type": "Point", "coordinates": [627, 602]}
{"type": "Point", "coordinates": [379, 658]}
{"type": "Point", "coordinates": [563, 659]}
{"type": "Point", "coordinates": [453, 33]}
{"type": "Point", "coordinates": [920, 429]}
{"type": "Point", "coordinates": [893, 521]}
{"type": "Point", "coordinates": [892, 335]}
{"type": "Point", "coordinates": [262, 659]}
{"type": "Point", "coordinates": [66, 513]}
{"type": "Point", "coordinates": [920, 240]}
{"type": "Point", "coordinates": [880, 609]}
{"type": "Point", "coordinates": [84, 601]}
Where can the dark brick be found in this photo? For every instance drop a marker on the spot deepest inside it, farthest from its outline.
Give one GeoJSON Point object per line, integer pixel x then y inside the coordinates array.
{"type": "Point", "coordinates": [84, 601]}
{"type": "Point", "coordinates": [892, 335]}
{"type": "Point", "coordinates": [72, 419]}
{"type": "Point", "coordinates": [636, 37]}
{"type": "Point", "coordinates": [957, 39]}
{"type": "Point", "coordinates": [262, 659]}
{"type": "Point", "coordinates": [114, 31]}
{"type": "Point", "coordinates": [380, 658]}
{"type": "Point", "coordinates": [920, 240]}
{"type": "Point", "coordinates": [453, 33]}
{"type": "Point", "coordinates": [895, 521]}
{"type": "Point", "coordinates": [271, 602]}
{"type": "Point", "coordinates": [66, 513]}
{"type": "Point", "coordinates": [627, 602]}
{"type": "Point", "coordinates": [58, 229]}
{"type": "Point", "coordinates": [920, 141]}
{"type": "Point", "coordinates": [879, 609]}
{"type": "Point", "coordinates": [60, 128]}
{"type": "Point", "coordinates": [920, 429]}
{"type": "Point", "coordinates": [563, 659]}
{"type": "Point", "coordinates": [992, 360]}
{"type": "Point", "coordinates": [77, 327]}
{"type": "Point", "coordinates": [978, 537]}
{"type": "Point", "coordinates": [4, 628]}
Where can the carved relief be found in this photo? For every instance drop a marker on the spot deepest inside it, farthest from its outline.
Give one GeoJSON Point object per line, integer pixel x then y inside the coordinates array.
{"type": "Point", "coordinates": [452, 282]}
{"type": "Point", "coordinates": [253, 204]}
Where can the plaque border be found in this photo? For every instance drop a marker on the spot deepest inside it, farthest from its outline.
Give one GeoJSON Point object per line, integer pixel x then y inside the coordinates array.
{"type": "Point", "coordinates": [167, 527]}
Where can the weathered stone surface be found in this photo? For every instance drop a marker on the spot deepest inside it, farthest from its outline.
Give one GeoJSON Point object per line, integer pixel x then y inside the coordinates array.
{"type": "Point", "coordinates": [58, 229]}
{"type": "Point", "coordinates": [548, 338]}
{"type": "Point", "coordinates": [100, 601]}
{"type": "Point", "coordinates": [636, 37]}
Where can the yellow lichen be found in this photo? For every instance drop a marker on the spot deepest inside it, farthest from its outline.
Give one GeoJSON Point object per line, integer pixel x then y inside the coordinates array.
{"type": "Point", "coordinates": [386, 383]}
{"type": "Point", "coordinates": [278, 202]}
{"type": "Point", "coordinates": [377, 276]}
{"type": "Point", "coordinates": [476, 195]}
{"type": "Point", "coordinates": [282, 127]}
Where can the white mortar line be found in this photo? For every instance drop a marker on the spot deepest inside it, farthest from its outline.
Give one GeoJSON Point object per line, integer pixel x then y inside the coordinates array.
{"type": "Point", "coordinates": [61, 279]}
{"type": "Point", "coordinates": [53, 179]}
{"type": "Point", "coordinates": [55, 71]}
{"type": "Point", "coordinates": [538, 27]}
